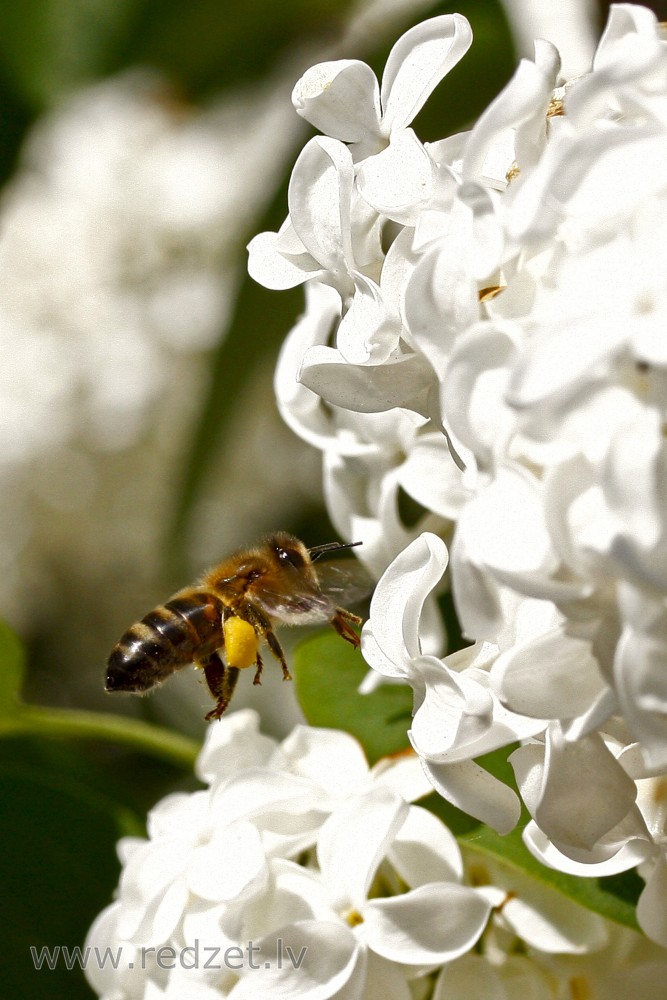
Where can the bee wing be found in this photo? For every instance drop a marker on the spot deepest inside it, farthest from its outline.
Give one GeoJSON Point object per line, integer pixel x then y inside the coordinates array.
{"type": "Point", "coordinates": [299, 603]}
{"type": "Point", "coordinates": [344, 581]}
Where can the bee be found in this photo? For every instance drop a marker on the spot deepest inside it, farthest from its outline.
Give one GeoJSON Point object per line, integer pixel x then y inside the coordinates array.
{"type": "Point", "coordinates": [219, 623]}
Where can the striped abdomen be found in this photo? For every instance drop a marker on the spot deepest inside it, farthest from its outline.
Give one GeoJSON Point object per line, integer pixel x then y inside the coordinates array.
{"type": "Point", "coordinates": [188, 627]}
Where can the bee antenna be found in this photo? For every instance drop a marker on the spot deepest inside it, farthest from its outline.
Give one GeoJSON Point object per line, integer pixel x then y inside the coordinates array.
{"type": "Point", "coordinates": [320, 550]}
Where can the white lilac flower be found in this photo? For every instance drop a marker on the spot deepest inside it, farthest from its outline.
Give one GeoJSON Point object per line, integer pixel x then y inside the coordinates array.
{"type": "Point", "coordinates": [572, 27]}
{"type": "Point", "coordinates": [374, 838]}
{"type": "Point", "coordinates": [503, 363]}
{"type": "Point", "coordinates": [586, 389]}
{"type": "Point", "coordinates": [368, 458]}
{"type": "Point", "coordinates": [457, 716]}
{"type": "Point", "coordinates": [299, 872]}
{"type": "Point", "coordinates": [628, 965]}
{"type": "Point", "coordinates": [342, 98]}
{"type": "Point", "coordinates": [597, 827]}
{"type": "Point", "coordinates": [209, 853]}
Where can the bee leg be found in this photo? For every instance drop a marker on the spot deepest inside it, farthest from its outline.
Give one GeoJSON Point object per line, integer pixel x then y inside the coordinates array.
{"type": "Point", "coordinates": [221, 682]}
{"type": "Point", "coordinates": [277, 651]}
{"type": "Point", "coordinates": [258, 673]}
{"type": "Point", "coordinates": [342, 622]}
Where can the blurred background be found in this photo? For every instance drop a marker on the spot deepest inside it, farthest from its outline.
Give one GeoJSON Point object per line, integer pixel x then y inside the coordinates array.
{"type": "Point", "coordinates": [142, 144]}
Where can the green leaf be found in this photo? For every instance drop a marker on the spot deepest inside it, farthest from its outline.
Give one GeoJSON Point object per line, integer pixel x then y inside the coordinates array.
{"type": "Point", "coordinates": [612, 897]}
{"type": "Point", "coordinates": [454, 819]}
{"type": "Point", "coordinates": [58, 869]}
{"type": "Point", "coordinates": [328, 673]}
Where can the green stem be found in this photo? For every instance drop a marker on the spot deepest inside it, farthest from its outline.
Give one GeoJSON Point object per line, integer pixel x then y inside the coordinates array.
{"type": "Point", "coordinates": [35, 720]}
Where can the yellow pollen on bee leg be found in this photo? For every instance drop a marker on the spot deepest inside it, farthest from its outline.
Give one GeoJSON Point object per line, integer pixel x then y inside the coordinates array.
{"type": "Point", "coordinates": [241, 643]}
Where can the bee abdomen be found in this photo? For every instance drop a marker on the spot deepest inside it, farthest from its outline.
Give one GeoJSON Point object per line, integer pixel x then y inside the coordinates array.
{"type": "Point", "coordinates": [166, 639]}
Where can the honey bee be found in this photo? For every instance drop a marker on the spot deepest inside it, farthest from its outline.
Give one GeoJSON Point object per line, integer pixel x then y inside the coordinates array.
{"type": "Point", "coordinates": [231, 610]}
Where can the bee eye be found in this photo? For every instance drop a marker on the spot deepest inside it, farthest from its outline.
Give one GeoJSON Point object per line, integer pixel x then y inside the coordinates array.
{"type": "Point", "coordinates": [290, 557]}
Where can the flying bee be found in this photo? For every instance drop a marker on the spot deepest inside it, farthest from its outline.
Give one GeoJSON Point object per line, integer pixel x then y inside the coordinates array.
{"type": "Point", "coordinates": [219, 622]}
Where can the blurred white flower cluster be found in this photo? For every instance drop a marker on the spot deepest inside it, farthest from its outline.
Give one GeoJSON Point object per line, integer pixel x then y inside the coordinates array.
{"type": "Point", "coordinates": [116, 264]}
{"type": "Point", "coordinates": [298, 872]}
{"type": "Point", "coordinates": [485, 332]}
{"type": "Point", "coordinates": [110, 251]}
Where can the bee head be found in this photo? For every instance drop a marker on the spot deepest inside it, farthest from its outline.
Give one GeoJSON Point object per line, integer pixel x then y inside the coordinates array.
{"type": "Point", "coordinates": [288, 550]}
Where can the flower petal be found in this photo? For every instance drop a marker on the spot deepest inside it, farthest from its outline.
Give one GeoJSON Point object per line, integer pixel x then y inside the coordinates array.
{"type": "Point", "coordinates": [147, 877]}
{"type": "Point", "coordinates": [234, 743]}
{"type": "Point", "coordinates": [319, 197]}
{"type": "Point", "coordinates": [455, 719]}
{"type": "Point", "coordinates": [439, 286]}
{"type": "Point", "coordinates": [583, 864]}
{"type": "Point", "coordinates": [417, 63]}
{"type": "Point", "coordinates": [273, 269]}
{"type": "Point", "coordinates": [301, 408]}
{"type": "Point", "coordinates": [566, 685]}
{"type": "Point", "coordinates": [523, 102]}
{"type": "Point", "coordinates": [129, 978]}
{"type": "Point", "coordinates": [424, 850]}
{"type": "Point", "coordinates": [474, 790]}
{"type": "Point", "coordinates": [397, 182]}
{"type": "Point", "coordinates": [403, 774]}
{"type": "Point", "coordinates": [398, 601]}
{"type": "Point", "coordinates": [429, 925]}
{"type": "Point", "coordinates": [384, 978]}
{"type": "Point", "coordinates": [651, 912]}
{"type": "Point", "coordinates": [355, 838]}
{"type": "Point", "coordinates": [545, 919]}
{"type": "Point", "coordinates": [232, 866]}
{"type": "Point", "coordinates": [366, 388]}
{"type": "Point", "coordinates": [639, 672]}
{"type": "Point", "coordinates": [330, 759]}
{"type": "Point", "coordinates": [472, 977]}
{"type": "Point", "coordinates": [585, 791]}
{"type": "Point", "coordinates": [432, 478]}
{"type": "Point", "coordinates": [340, 98]}
{"type": "Point", "coordinates": [294, 894]}
{"type": "Point", "coordinates": [369, 332]}
{"type": "Point", "coordinates": [322, 958]}
{"type": "Point", "coordinates": [477, 375]}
